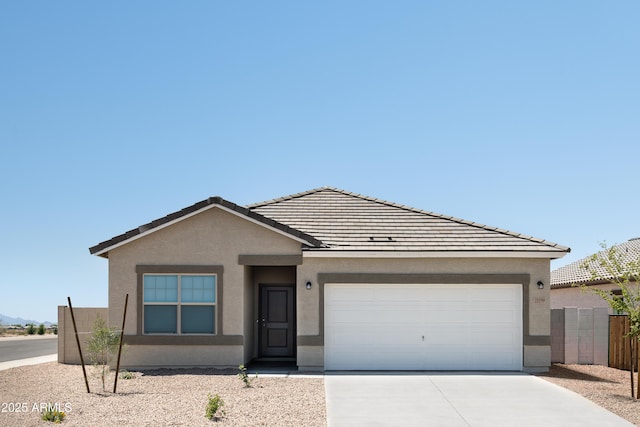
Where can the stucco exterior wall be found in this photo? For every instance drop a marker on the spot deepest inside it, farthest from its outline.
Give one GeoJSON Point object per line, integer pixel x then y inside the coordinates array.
{"type": "Point", "coordinates": [211, 238]}
{"type": "Point", "coordinates": [536, 357]}
{"type": "Point", "coordinates": [575, 297]}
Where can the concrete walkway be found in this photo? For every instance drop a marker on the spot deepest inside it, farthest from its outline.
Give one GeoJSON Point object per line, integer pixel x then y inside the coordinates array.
{"type": "Point", "coordinates": [457, 399]}
{"type": "Point", "coordinates": [29, 361]}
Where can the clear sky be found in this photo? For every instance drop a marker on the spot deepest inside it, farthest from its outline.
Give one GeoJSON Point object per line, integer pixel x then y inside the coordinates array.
{"type": "Point", "coordinates": [519, 115]}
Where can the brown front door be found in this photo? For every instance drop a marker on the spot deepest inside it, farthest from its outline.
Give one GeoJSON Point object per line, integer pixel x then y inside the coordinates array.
{"type": "Point", "coordinates": [277, 321]}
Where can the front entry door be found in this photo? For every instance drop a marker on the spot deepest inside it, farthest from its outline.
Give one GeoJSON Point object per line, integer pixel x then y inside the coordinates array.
{"type": "Point", "coordinates": [277, 321]}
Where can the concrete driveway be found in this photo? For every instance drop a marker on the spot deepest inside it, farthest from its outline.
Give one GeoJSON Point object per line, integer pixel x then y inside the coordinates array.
{"type": "Point", "coordinates": [457, 399]}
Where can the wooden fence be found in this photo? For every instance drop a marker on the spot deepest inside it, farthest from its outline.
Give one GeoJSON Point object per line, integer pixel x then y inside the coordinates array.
{"type": "Point", "coordinates": [619, 356]}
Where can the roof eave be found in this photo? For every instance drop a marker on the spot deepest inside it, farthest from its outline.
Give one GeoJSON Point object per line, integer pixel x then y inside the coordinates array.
{"type": "Point", "coordinates": [347, 253]}
{"type": "Point", "coordinates": [102, 249]}
{"type": "Point", "coordinates": [577, 284]}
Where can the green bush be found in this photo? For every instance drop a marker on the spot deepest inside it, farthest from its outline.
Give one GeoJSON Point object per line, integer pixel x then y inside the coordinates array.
{"type": "Point", "coordinates": [215, 407]}
{"type": "Point", "coordinates": [126, 375]}
{"type": "Point", "coordinates": [31, 329]}
{"type": "Point", "coordinates": [242, 374]}
{"type": "Point", "coordinates": [41, 329]}
{"type": "Point", "coordinates": [53, 415]}
{"type": "Point", "coordinates": [101, 344]}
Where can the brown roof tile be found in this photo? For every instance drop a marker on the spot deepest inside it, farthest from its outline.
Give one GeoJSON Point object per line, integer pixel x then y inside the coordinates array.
{"type": "Point", "coordinates": [101, 247]}
{"type": "Point", "coordinates": [331, 219]}
{"type": "Point", "coordinates": [349, 221]}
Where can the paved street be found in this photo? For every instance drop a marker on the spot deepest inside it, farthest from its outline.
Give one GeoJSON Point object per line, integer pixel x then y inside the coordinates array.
{"type": "Point", "coordinates": [27, 347]}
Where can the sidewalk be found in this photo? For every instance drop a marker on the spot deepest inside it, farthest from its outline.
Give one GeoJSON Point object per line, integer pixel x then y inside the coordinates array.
{"type": "Point", "coordinates": [30, 361]}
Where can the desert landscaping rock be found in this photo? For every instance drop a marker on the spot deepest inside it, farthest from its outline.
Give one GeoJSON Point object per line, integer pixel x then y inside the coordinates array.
{"type": "Point", "coordinates": [175, 397]}
{"type": "Point", "coordinates": [178, 397]}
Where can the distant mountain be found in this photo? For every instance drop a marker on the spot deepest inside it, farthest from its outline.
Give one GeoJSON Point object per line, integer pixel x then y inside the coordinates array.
{"type": "Point", "coordinates": [6, 320]}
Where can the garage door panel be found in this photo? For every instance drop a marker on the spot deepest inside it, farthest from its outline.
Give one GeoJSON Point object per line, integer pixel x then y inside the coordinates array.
{"type": "Point", "coordinates": [399, 295]}
{"type": "Point", "coordinates": [425, 327]}
{"type": "Point", "coordinates": [357, 294]}
{"type": "Point", "coordinates": [493, 295]}
{"type": "Point", "coordinates": [494, 341]}
{"type": "Point", "coordinates": [495, 316]}
{"type": "Point", "coordinates": [377, 315]}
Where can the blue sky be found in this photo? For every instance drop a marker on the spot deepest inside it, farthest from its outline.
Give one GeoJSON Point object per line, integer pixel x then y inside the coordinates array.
{"type": "Point", "coordinates": [520, 115]}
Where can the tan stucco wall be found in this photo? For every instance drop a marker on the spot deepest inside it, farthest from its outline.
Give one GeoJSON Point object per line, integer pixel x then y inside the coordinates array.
{"type": "Point", "coordinates": [538, 269]}
{"type": "Point", "coordinates": [575, 297]}
{"type": "Point", "coordinates": [146, 356]}
{"type": "Point", "coordinates": [213, 237]}
{"type": "Point", "coordinates": [537, 358]}
{"type": "Point", "coordinates": [67, 344]}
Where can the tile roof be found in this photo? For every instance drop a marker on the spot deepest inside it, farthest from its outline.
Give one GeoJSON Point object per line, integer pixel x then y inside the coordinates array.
{"type": "Point", "coordinates": [331, 219]}
{"type": "Point", "coordinates": [211, 201]}
{"type": "Point", "coordinates": [565, 276]}
{"type": "Point", "coordinates": [349, 221]}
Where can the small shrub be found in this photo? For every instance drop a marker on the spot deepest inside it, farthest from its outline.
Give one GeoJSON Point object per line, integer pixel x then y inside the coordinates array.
{"type": "Point", "coordinates": [215, 407]}
{"type": "Point", "coordinates": [41, 329]}
{"type": "Point", "coordinates": [31, 329]}
{"type": "Point", "coordinates": [101, 344]}
{"type": "Point", "coordinates": [126, 375]}
{"type": "Point", "coordinates": [53, 415]}
{"type": "Point", "coordinates": [55, 329]}
{"type": "Point", "coordinates": [242, 374]}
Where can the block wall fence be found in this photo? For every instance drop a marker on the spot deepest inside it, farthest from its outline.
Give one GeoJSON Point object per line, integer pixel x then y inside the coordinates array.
{"type": "Point", "coordinates": [67, 346]}
{"type": "Point", "coordinates": [580, 336]}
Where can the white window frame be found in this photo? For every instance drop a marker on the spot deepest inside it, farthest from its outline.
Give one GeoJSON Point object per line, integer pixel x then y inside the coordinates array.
{"type": "Point", "coordinates": [179, 304]}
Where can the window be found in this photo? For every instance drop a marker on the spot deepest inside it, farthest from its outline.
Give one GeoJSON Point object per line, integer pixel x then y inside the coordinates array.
{"type": "Point", "coordinates": [179, 304]}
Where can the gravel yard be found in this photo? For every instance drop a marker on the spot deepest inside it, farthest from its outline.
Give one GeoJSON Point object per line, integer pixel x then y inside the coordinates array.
{"type": "Point", "coordinates": [179, 397]}
{"type": "Point", "coordinates": [159, 397]}
{"type": "Point", "coordinates": [608, 387]}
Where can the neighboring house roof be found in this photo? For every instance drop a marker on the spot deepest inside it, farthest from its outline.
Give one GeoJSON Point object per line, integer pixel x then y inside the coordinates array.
{"type": "Point", "coordinates": [564, 277]}
{"type": "Point", "coordinates": [328, 219]}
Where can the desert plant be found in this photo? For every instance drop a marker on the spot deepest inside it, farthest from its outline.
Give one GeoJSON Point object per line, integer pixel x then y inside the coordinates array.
{"type": "Point", "coordinates": [214, 409]}
{"type": "Point", "coordinates": [55, 329]}
{"type": "Point", "coordinates": [41, 329]}
{"type": "Point", "coordinates": [242, 374]}
{"type": "Point", "coordinates": [101, 344]}
{"type": "Point", "coordinates": [31, 329]}
{"type": "Point", "coordinates": [611, 265]}
{"type": "Point", "coordinates": [126, 375]}
{"type": "Point", "coordinates": [52, 414]}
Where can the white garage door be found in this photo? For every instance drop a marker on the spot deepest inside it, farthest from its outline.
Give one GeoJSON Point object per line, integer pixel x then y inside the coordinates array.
{"type": "Point", "coordinates": [423, 327]}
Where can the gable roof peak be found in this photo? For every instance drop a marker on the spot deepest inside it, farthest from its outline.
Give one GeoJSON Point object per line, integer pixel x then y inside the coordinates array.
{"type": "Point", "coordinates": [213, 201]}
{"type": "Point", "coordinates": [295, 196]}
